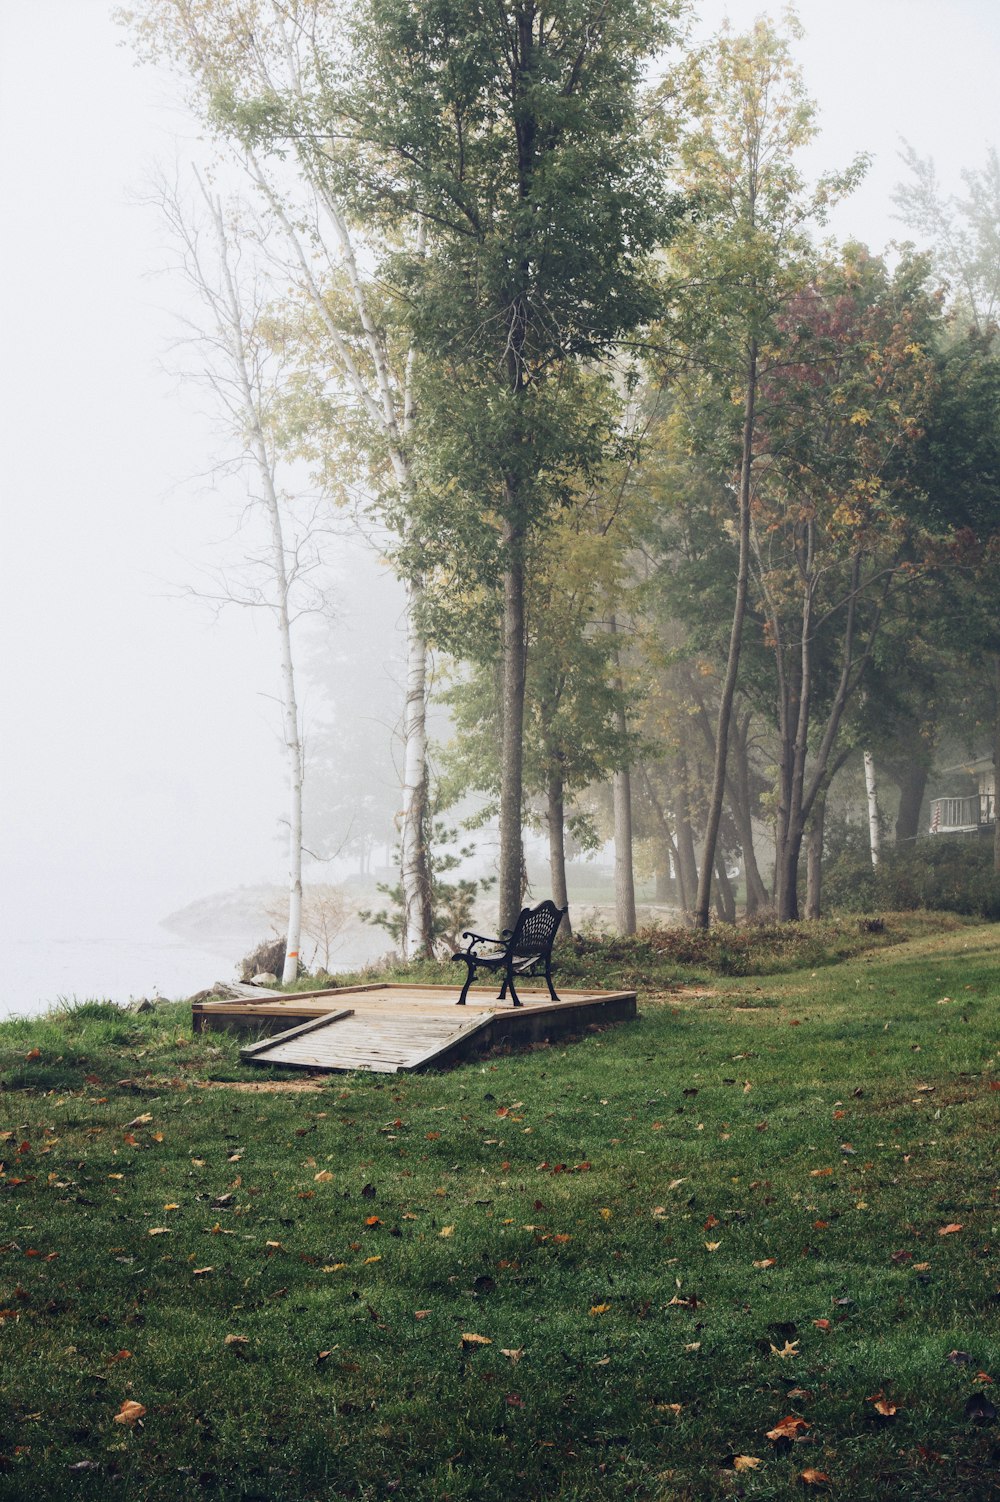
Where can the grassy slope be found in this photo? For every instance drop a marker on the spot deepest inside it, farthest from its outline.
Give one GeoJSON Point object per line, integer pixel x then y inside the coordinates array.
{"type": "Point", "coordinates": [560, 1204]}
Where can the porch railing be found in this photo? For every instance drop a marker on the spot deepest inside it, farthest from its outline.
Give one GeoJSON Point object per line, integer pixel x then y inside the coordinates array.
{"type": "Point", "coordinates": [954, 814]}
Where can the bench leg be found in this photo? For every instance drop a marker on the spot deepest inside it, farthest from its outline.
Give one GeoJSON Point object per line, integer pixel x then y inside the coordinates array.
{"type": "Point", "coordinates": [468, 979]}
{"type": "Point", "coordinates": [548, 977]}
{"type": "Point", "coordinates": [509, 984]}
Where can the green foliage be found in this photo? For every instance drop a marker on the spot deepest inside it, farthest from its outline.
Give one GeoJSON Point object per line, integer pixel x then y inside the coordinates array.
{"type": "Point", "coordinates": [452, 902]}
{"type": "Point", "coordinates": [941, 874]}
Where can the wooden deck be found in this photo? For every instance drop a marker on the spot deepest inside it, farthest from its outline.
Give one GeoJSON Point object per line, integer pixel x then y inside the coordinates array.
{"type": "Point", "coordinates": [390, 1028]}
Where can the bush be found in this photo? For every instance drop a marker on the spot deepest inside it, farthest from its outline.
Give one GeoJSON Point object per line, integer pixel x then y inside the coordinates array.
{"type": "Point", "coordinates": [941, 874]}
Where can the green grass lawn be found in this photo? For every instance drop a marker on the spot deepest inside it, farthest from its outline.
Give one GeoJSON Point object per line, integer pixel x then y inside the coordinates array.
{"type": "Point", "coordinates": [597, 1270]}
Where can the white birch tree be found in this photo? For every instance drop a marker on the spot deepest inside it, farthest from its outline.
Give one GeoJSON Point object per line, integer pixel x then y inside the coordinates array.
{"type": "Point", "coordinates": [260, 72]}
{"type": "Point", "coordinates": [244, 372]}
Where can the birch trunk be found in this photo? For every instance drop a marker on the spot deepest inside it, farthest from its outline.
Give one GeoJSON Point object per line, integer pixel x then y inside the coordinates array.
{"type": "Point", "coordinates": [871, 790]}
{"type": "Point", "coordinates": [230, 313]}
{"type": "Point", "coordinates": [414, 866]}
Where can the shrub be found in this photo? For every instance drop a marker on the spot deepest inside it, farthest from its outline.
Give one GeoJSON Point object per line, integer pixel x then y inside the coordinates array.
{"type": "Point", "coordinates": [941, 874]}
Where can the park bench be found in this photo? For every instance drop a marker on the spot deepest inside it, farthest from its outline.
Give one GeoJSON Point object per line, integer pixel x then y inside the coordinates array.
{"type": "Point", "coordinates": [527, 944]}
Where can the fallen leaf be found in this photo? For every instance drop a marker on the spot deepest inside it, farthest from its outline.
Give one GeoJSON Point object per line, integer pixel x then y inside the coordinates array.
{"type": "Point", "coordinates": [447, 1231]}
{"type": "Point", "coordinates": [158, 1231]}
{"type": "Point", "coordinates": [599, 1308]}
{"type": "Point", "coordinates": [130, 1412]}
{"type": "Point", "coordinates": [788, 1428]}
{"type": "Point", "coordinates": [712, 1246]}
{"type": "Point", "coordinates": [820, 1173]}
{"type": "Point", "coordinates": [673, 1408]}
{"type": "Point", "coordinates": [811, 1477]}
{"type": "Point", "coordinates": [790, 1348]}
{"type": "Point", "coordinates": [171, 1207]}
{"type": "Point", "coordinates": [951, 1228]}
{"type": "Point", "coordinates": [882, 1405]}
{"type": "Point", "coordinates": [421, 1313]}
{"type": "Point", "coordinates": [514, 1355]}
{"type": "Point", "coordinates": [201, 1272]}
{"type": "Point", "coordinates": [237, 1340]}
{"type": "Point", "coordinates": [323, 1177]}
{"type": "Point", "coordinates": [746, 1462]}
{"type": "Point", "coordinates": [766, 1262]}
{"type": "Point", "coordinates": [822, 1324]}
{"type": "Point", "coordinates": [470, 1341]}
{"type": "Point", "coordinates": [139, 1120]}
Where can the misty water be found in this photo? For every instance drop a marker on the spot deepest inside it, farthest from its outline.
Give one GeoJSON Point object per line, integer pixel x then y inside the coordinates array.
{"type": "Point", "coordinates": [38, 973]}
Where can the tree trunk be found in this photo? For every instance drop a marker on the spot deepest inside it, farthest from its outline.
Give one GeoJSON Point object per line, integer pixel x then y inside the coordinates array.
{"type": "Point", "coordinates": [687, 865]}
{"type": "Point", "coordinates": [912, 781]}
{"type": "Point", "coordinates": [414, 863]}
{"type": "Point", "coordinates": [622, 797]}
{"type": "Point", "coordinates": [871, 789]}
{"type": "Point", "coordinates": [814, 858]}
{"type": "Point", "coordinates": [624, 877]}
{"type": "Point", "coordinates": [996, 765]}
{"type": "Point", "coordinates": [740, 803]}
{"type": "Point", "coordinates": [725, 897]}
{"type": "Point", "coordinates": [556, 821]}
{"type": "Point", "coordinates": [512, 732]}
{"type": "Point", "coordinates": [735, 643]}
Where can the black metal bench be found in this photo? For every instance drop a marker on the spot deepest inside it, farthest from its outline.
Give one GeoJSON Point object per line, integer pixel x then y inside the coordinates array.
{"type": "Point", "coordinates": [528, 944]}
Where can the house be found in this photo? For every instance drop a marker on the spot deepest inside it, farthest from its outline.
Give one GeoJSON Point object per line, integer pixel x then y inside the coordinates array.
{"type": "Point", "coordinates": [975, 811]}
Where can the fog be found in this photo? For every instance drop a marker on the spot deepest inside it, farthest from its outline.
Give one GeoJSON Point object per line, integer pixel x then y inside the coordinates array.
{"type": "Point", "coordinates": [141, 765]}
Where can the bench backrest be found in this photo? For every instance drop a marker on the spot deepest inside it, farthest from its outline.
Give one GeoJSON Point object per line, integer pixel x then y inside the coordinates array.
{"type": "Point", "coordinates": [536, 929]}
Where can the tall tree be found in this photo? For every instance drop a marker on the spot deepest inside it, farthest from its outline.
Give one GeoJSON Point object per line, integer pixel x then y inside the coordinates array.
{"type": "Point", "coordinates": [515, 128]}
{"type": "Point", "coordinates": [246, 374]}
{"type": "Point", "coordinates": [743, 253]}
{"type": "Point", "coordinates": [263, 74]}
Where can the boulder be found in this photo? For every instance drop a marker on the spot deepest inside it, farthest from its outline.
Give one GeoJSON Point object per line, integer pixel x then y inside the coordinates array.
{"type": "Point", "coordinates": [263, 978]}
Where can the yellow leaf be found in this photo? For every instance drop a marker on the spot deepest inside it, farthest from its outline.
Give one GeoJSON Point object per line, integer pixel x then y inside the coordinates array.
{"type": "Point", "coordinates": [605, 1213]}
{"type": "Point", "coordinates": [599, 1308]}
{"type": "Point", "coordinates": [171, 1206]}
{"type": "Point", "coordinates": [159, 1231]}
{"type": "Point", "coordinates": [712, 1246]}
{"type": "Point", "coordinates": [766, 1262]}
{"type": "Point", "coordinates": [200, 1272]}
{"type": "Point", "coordinates": [447, 1231]}
{"type": "Point", "coordinates": [514, 1355]}
{"type": "Point", "coordinates": [333, 1267]}
{"type": "Point", "coordinates": [371, 1259]}
{"type": "Point", "coordinates": [323, 1177]}
{"type": "Point", "coordinates": [129, 1413]}
{"type": "Point", "coordinates": [469, 1340]}
{"type": "Point", "coordinates": [746, 1462]}
{"type": "Point", "coordinates": [951, 1228]}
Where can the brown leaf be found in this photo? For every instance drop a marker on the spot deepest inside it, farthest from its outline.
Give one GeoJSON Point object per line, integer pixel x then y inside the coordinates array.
{"type": "Point", "coordinates": [469, 1341]}
{"type": "Point", "coordinates": [746, 1462]}
{"type": "Point", "coordinates": [951, 1228]}
{"type": "Point", "coordinates": [882, 1406]}
{"type": "Point", "coordinates": [811, 1477]}
{"type": "Point", "coordinates": [600, 1308]}
{"type": "Point", "coordinates": [788, 1428]}
{"type": "Point", "coordinates": [139, 1120]}
{"type": "Point", "coordinates": [323, 1177]}
{"type": "Point", "coordinates": [237, 1340]}
{"type": "Point", "coordinates": [130, 1412]}
{"type": "Point", "coordinates": [822, 1324]}
{"type": "Point", "coordinates": [514, 1355]}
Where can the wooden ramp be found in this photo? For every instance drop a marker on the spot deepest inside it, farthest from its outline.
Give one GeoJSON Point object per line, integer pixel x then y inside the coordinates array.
{"type": "Point", "coordinates": [390, 1028]}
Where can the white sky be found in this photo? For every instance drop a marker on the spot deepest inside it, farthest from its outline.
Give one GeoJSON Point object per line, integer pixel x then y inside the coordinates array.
{"type": "Point", "coordinates": [140, 766]}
